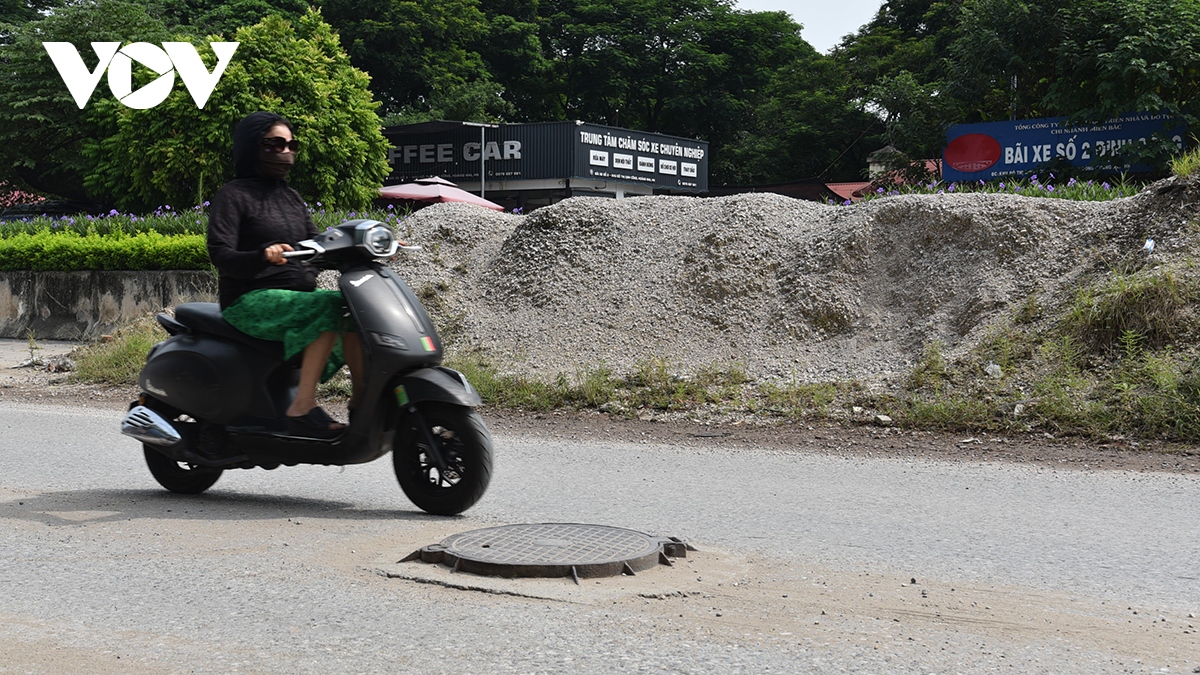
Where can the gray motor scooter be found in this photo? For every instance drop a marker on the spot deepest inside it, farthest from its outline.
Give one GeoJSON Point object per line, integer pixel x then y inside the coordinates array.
{"type": "Point", "coordinates": [213, 398]}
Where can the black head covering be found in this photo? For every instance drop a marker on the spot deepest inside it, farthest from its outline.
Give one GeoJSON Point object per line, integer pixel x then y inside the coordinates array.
{"type": "Point", "coordinates": [247, 137]}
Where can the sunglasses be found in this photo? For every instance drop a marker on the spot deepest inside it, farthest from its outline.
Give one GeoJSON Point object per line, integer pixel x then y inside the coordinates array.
{"type": "Point", "coordinates": [277, 144]}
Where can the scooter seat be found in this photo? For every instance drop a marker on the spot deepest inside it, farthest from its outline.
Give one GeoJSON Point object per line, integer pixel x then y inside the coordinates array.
{"type": "Point", "coordinates": [205, 317]}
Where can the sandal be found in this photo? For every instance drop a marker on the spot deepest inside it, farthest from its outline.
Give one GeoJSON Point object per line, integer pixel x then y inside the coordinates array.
{"type": "Point", "coordinates": [315, 423]}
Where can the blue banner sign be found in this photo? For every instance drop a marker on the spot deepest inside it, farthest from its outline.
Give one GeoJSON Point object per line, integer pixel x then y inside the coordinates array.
{"type": "Point", "coordinates": [1018, 147]}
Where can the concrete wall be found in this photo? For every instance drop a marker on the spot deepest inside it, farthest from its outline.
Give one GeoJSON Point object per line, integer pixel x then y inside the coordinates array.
{"type": "Point", "coordinates": [83, 305]}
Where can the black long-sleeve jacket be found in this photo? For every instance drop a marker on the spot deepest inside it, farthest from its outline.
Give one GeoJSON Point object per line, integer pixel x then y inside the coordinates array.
{"type": "Point", "coordinates": [245, 217]}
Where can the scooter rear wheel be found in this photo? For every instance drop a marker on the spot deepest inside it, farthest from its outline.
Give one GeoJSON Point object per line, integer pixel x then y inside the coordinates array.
{"type": "Point", "coordinates": [179, 477]}
{"type": "Point", "coordinates": [465, 444]}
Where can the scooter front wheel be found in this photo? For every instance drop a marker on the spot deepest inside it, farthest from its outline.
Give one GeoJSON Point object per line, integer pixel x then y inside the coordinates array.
{"type": "Point", "coordinates": [180, 477]}
{"type": "Point", "coordinates": [465, 446]}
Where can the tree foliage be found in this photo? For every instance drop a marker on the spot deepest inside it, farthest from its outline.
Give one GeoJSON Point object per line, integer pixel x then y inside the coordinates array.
{"type": "Point", "coordinates": [41, 127]}
{"type": "Point", "coordinates": [1132, 55]}
{"type": "Point", "coordinates": [986, 60]}
{"type": "Point", "coordinates": [411, 49]}
{"type": "Point", "coordinates": [225, 17]}
{"type": "Point", "coordinates": [806, 127]}
{"type": "Point", "coordinates": [771, 108]}
{"type": "Point", "coordinates": [178, 154]}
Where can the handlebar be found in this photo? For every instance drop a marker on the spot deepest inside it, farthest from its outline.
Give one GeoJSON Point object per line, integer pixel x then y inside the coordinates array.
{"type": "Point", "coordinates": [308, 252]}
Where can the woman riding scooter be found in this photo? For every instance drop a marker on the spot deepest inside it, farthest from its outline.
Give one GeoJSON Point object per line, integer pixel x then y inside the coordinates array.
{"type": "Point", "coordinates": [253, 220]}
{"type": "Point", "coordinates": [219, 393]}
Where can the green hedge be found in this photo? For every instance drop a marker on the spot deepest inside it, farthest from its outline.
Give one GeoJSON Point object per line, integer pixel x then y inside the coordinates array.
{"type": "Point", "coordinates": [163, 240]}
{"type": "Point", "coordinates": [68, 251]}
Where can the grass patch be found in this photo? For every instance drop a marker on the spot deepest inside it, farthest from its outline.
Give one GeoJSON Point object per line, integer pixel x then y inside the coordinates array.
{"type": "Point", "coordinates": [798, 400]}
{"type": "Point", "coordinates": [1104, 364]}
{"type": "Point", "coordinates": [651, 385]}
{"type": "Point", "coordinates": [118, 359]}
{"type": "Point", "coordinates": [1186, 165]}
{"type": "Point", "coordinates": [1150, 307]}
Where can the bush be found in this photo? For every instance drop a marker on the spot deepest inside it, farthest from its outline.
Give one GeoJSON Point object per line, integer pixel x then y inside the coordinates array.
{"type": "Point", "coordinates": [178, 154]}
{"type": "Point", "coordinates": [67, 251]}
{"type": "Point", "coordinates": [163, 240]}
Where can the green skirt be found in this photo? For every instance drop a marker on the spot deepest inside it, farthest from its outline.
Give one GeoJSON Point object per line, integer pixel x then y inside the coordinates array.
{"type": "Point", "coordinates": [295, 318]}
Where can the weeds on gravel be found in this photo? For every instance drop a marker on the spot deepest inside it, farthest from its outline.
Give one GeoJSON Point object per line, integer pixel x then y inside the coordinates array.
{"type": "Point", "coordinates": [1106, 363]}
{"type": "Point", "coordinates": [117, 359]}
{"type": "Point", "coordinates": [651, 385]}
{"type": "Point", "coordinates": [1155, 394]}
{"type": "Point", "coordinates": [504, 389]}
{"type": "Point", "coordinates": [797, 400]}
{"type": "Point", "coordinates": [1187, 164]}
{"type": "Point", "coordinates": [931, 368]}
{"type": "Point", "coordinates": [1150, 305]}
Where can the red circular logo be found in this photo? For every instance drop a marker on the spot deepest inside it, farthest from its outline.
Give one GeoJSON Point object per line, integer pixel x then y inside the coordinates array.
{"type": "Point", "coordinates": [972, 152]}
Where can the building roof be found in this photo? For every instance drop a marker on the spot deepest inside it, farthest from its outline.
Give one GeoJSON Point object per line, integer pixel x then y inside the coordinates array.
{"type": "Point", "coordinates": [851, 191]}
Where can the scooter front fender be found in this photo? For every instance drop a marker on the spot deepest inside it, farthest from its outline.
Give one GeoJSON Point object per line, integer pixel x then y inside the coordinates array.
{"type": "Point", "coordinates": [438, 383]}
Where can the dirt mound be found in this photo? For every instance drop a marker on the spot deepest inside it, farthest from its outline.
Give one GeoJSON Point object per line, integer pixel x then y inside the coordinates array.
{"type": "Point", "coordinates": [783, 288]}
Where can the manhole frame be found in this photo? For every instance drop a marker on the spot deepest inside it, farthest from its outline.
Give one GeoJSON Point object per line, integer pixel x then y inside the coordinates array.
{"type": "Point", "coordinates": [660, 550]}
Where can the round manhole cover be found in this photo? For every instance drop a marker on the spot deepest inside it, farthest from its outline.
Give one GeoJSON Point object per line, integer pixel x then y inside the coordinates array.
{"type": "Point", "coordinates": [552, 550]}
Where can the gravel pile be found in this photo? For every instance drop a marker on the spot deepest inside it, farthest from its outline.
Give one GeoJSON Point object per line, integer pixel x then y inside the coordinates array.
{"type": "Point", "coordinates": [783, 288]}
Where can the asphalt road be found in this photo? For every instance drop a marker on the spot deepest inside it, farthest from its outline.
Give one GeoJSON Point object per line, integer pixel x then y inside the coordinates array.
{"type": "Point", "coordinates": [807, 563]}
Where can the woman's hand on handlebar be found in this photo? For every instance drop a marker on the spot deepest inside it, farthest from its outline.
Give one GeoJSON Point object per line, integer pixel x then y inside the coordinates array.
{"type": "Point", "coordinates": [274, 253]}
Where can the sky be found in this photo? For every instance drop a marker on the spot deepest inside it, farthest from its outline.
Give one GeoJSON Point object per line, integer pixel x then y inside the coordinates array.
{"type": "Point", "coordinates": [824, 22]}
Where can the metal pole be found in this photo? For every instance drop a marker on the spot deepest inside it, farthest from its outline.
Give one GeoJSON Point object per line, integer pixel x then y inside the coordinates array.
{"type": "Point", "coordinates": [483, 127]}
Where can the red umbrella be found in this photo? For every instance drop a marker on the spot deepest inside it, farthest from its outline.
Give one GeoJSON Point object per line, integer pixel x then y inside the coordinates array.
{"type": "Point", "coordinates": [433, 190]}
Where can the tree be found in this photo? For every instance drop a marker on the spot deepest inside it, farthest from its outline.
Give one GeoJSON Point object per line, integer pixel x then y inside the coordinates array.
{"type": "Point", "coordinates": [41, 127]}
{"type": "Point", "coordinates": [915, 115]}
{"type": "Point", "coordinates": [806, 126]}
{"type": "Point", "coordinates": [453, 99]}
{"type": "Point", "coordinates": [734, 91]}
{"type": "Point", "coordinates": [1089, 60]}
{"type": "Point", "coordinates": [1003, 61]}
{"type": "Point", "coordinates": [177, 154]}
{"type": "Point", "coordinates": [911, 36]}
{"type": "Point", "coordinates": [21, 11]}
{"type": "Point", "coordinates": [218, 17]}
{"type": "Point", "coordinates": [412, 50]}
{"type": "Point", "coordinates": [1131, 56]}
{"type": "Point", "coordinates": [898, 67]}
{"type": "Point", "coordinates": [626, 62]}
{"type": "Point", "coordinates": [513, 53]}
{"type": "Point", "coordinates": [693, 68]}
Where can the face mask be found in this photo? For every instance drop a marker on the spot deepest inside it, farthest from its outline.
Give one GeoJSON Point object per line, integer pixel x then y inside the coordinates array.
{"type": "Point", "coordinates": [276, 164]}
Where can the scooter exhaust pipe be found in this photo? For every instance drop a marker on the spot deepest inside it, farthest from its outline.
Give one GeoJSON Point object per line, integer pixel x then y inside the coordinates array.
{"type": "Point", "coordinates": [148, 426]}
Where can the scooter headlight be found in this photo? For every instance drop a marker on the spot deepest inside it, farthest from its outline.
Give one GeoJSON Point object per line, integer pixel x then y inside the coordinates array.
{"type": "Point", "coordinates": [377, 239]}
